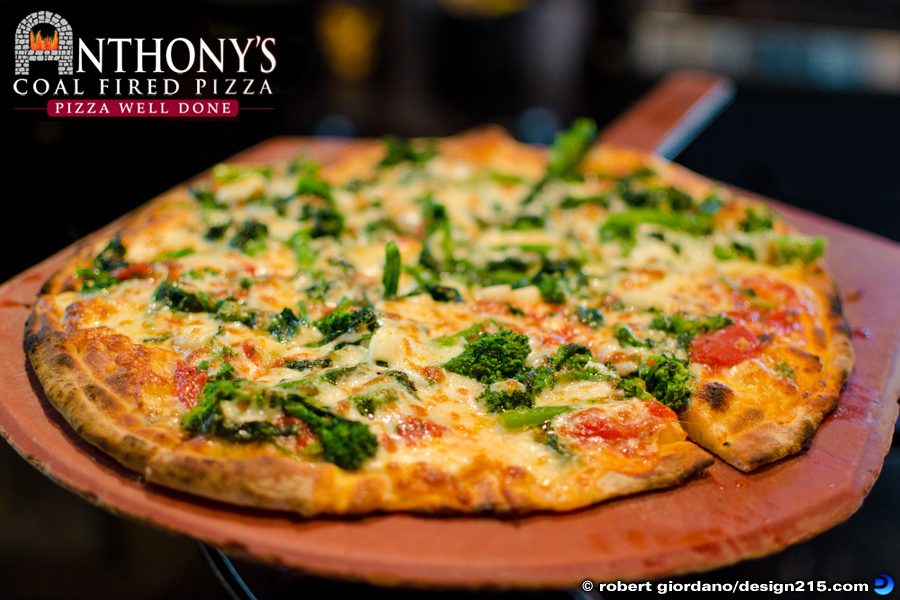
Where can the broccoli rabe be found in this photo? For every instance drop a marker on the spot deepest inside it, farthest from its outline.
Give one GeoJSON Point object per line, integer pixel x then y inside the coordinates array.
{"type": "Point", "coordinates": [566, 154]}
{"type": "Point", "coordinates": [307, 365]}
{"type": "Point", "coordinates": [754, 221]}
{"type": "Point", "coordinates": [506, 395]}
{"type": "Point", "coordinates": [326, 220]}
{"type": "Point", "coordinates": [590, 316]}
{"type": "Point", "coordinates": [397, 151]}
{"type": "Point", "coordinates": [792, 248]}
{"type": "Point", "coordinates": [622, 226]}
{"type": "Point", "coordinates": [626, 338]}
{"type": "Point", "coordinates": [391, 276]}
{"type": "Point", "coordinates": [100, 276]}
{"type": "Point", "coordinates": [345, 443]}
{"type": "Point", "coordinates": [438, 293]}
{"type": "Point", "coordinates": [569, 149]}
{"type": "Point", "coordinates": [251, 237]}
{"type": "Point", "coordinates": [345, 321]}
{"type": "Point", "coordinates": [283, 325]}
{"type": "Point", "coordinates": [687, 329]}
{"type": "Point", "coordinates": [112, 256]}
{"type": "Point", "coordinates": [571, 356]}
{"type": "Point", "coordinates": [173, 295]}
{"type": "Point", "coordinates": [520, 418]}
{"type": "Point", "coordinates": [668, 379]}
{"type": "Point", "coordinates": [492, 357]}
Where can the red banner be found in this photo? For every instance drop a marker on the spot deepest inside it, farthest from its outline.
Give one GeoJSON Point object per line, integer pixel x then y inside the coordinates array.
{"type": "Point", "coordinates": [142, 108]}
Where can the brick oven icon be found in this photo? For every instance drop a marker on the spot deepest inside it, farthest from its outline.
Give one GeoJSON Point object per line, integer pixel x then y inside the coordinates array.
{"type": "Point", "coordinates": [44, 36]}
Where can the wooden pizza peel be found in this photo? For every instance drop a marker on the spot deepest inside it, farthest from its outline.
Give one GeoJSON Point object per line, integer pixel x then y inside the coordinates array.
{"type": "Point", "coordinates": [716, 519]}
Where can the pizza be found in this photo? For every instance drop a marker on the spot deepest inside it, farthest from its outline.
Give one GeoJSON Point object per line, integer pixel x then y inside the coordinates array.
{"type": "Point", "coordinates": [466, 324]}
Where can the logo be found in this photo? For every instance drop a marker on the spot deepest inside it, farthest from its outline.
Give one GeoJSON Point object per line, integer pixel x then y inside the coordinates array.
{"type": "Point", "coordinates": [44, 36]}
{"type": "Point", "coordinates": [884, 584]}
{"type": "Point", "coordinates": [145, 75]}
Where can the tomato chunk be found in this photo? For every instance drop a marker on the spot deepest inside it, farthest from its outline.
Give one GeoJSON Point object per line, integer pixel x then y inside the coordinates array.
{"type": "Point", "coordinates": [188, 383]}
{"type": "Point", "coordinates": [726, 347]}
{"type": "Point", "coordinates": [134, 271]}
{"type": "Point", "coordinates": [594, 424]}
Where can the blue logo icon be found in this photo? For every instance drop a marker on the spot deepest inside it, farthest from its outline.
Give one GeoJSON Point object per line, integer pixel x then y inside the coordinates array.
{"type": "Point", "coordinates": [884, 584]}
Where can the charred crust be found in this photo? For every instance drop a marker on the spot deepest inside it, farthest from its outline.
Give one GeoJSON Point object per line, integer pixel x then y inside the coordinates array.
{"type": "Point", "coordinates": [715, 394]}
{"type": "Point", "coordinates": [835, 306]}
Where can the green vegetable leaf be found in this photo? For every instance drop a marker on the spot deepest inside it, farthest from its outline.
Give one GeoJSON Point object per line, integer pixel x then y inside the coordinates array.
{"type": "Point", "coordinates": [391, 276]}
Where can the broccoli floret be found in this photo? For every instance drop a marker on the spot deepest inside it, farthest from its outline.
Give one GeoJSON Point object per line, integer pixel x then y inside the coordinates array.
{"type": "Point", "coordinates": [327, 220]}
{"type": "Point", "coordinates": [207, 199]}
{"type": "Point", "coordinates": [300, 243]}
{"type": "Point", "coordinates": [217, 232]}
{"type": "Point", "coordinates": [790, 248]}
{"type": "Point", "coordinates": [571, 356]}
{"type": "Point", "coordinates": [668, 379]}
{"type": "Point", "coordinates": [230, 311]}
{"type": "Point", "coordinates": [100, 276]}
{"type": "Point", "coordinates": [492, 357]}
{"type": "Point", "coordinates": [590, 316]}
{"type": "Point", "coordinates": [552, 288]}
{"type": "Point", "coordinates": [173, 295]}
{"type": "Point", "coordinates": [112, 256]}
{"type": "Point", "coordinates": [537, 380]}
{"type": "Point", "coordinates": [506, 395]}
{"type": "Point", "coordinates": [753, 221]}
{"type": "Point", "coordinates": [284, 325]}
{"type": "Point", "coordinates": [95, 279]}
{"type": "Point", "coordinates": [344, 321]}
{"type": "Point", "coordinates": [687, 329]}
{"type": "Point", "coordinates": [397, 151]}
{"type": "Point", "coordinates": [250, 238]}
{"type": "Point", "coordinates": [345, 443]}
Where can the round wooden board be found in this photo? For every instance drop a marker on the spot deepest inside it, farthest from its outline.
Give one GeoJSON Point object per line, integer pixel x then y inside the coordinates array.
{"type": "Point", "coordinates": [716, 519]}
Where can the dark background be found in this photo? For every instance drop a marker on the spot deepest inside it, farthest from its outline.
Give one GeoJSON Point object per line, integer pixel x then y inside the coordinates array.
{"type": "Point", "coordinates": [815, 123]}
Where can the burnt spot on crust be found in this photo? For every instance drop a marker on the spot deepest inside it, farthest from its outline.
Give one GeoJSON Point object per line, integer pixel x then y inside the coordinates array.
{"type": "Point", "coordinates": [716, 394]}
{"type": "Point", "coordinates": [835, 306]}
{"type": "Point", "coordinates": [841, 327]}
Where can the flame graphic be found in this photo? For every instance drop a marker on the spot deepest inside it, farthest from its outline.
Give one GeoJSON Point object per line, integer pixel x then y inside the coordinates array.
{"type": "Point", "coordinates": [39, 43]}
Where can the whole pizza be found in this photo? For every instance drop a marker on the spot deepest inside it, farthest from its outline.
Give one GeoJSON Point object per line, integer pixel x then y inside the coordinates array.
{"type": "Point", "coordinates": [466, 324]}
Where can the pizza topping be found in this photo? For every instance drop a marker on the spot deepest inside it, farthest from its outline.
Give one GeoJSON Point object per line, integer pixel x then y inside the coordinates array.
{"type": "Point", "coordinates": [686, 329]}
{"type": "Point", "coordinates": [522, 313]}
{"type": "Point", "coordinates": [726, 347]}
{"type": "Point", "coordinates": [668, 379]}
{"type": "Point", "coordinates": [347, 444]}
{"type": "Point", "coordinates": [492, 357]}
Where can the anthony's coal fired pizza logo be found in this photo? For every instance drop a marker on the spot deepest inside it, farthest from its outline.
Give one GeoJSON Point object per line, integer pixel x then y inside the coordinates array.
{"type": "Point", "coordinates": [139, 76]}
